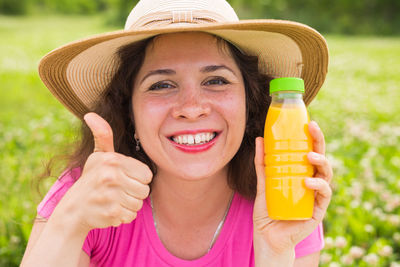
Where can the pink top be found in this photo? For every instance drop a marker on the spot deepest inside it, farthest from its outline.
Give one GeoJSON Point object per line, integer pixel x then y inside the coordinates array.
{"type": "Point", "coordinates": [137, 243]}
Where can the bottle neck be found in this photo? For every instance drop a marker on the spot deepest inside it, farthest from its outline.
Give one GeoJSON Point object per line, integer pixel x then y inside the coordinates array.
{"type": "Point", "coordinates": [287, 97]}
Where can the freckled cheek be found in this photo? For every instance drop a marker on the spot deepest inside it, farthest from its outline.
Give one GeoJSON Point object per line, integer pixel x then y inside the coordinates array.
{"type": "Point", "coordinates": [149, 115]}
{"type": "Point", "coordinates": [233, 107]}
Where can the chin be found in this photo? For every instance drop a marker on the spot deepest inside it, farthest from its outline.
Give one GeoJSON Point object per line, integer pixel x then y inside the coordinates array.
{"type": "Point", "coordinates": [199, 172]}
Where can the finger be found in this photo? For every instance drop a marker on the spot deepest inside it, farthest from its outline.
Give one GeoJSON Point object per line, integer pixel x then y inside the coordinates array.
{"type": "Point", "coordinates": [136, 169]}
{"type": "Point", "coordinates": [102, 132]}
{"type": "Point", "coordinates": [127, 216]}
{"type": "Point", "coordinates": [260, 166]}
{"type": "Point", "coordinates": [135, 188]}
{"type": "Point", "coordinates": [322, 164]}
{"type": "Point", "coordinates": [323, 196]}
{"type": "Point", "coordinates": [317, 136]}
{"type": "Point", "coordinates": [130, 203]}
{"type": "Point", "coordinates": [260, 206]}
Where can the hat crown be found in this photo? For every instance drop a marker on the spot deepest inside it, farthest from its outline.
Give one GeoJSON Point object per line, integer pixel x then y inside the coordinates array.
{"type": "Point", "coordinates": [164, 13]}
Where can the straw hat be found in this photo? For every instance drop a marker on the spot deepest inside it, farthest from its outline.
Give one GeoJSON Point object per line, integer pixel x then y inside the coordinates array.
{"type": "Point", "coordinates": [77, 73]}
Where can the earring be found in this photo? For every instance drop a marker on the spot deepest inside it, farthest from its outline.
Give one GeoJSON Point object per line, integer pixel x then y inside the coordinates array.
{"type": "Point", "coordinates": [137, 142]}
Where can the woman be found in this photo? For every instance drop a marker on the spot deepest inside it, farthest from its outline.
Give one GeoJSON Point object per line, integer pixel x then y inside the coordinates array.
{"type": "Point", "coordinates": [169, 171]}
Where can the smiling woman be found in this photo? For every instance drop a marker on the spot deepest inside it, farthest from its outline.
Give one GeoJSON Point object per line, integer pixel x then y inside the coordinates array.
{"type": "Point", "coordinates": [189, 102]}
{"type": "Point", "coordinates": [170, 170]}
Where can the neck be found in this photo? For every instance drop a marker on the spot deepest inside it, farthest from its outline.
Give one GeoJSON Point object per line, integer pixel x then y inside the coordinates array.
{"type": "Point", "coordinates": [186, 203]}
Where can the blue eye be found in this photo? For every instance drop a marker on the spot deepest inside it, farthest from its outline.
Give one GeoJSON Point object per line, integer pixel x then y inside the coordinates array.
{"type": "Point", "coordinates": [217, 81]}
{"type": "Point", "coordinates": [160, 85]}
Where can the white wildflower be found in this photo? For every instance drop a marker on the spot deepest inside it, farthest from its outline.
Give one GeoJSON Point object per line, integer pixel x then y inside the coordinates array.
{"type": "Point", "coordinates": [340, 210]}
{"type": "Point", "coordinates": [357, 252]}
{"type": "Point", "coordinates": [329, 243]}
{"type": "Point", "coordinates": [378, 212]}
{"type": "Point", "coordinates": [386, 251]}
{"type": "Point", "coordinates": [325, 258]}
{"type": "Point", "coordinates": [340, 242]}
{"type": "Point", "coordinates": [354, 204]}
{"type": "Point", "coordinates": [368, 206]}
{"type": "Point", "coordinates": [14, 239]}
{"type": "Point", "coordinates": [368, 228]}
{"type": "Point", "coordinates": [371, 259]}
{"type": "Point", "coordinates": [394, 219]}
{"type": "Point", "coordinates": [346, 259]}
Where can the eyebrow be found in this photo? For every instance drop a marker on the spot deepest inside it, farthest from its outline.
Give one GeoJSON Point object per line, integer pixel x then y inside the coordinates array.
{"type": "Point", "coordinates": [213, 68]}
{"type": "Point", "coordinates": [158, 72]}
{"type": "Point", "coordinates": [206, 69]}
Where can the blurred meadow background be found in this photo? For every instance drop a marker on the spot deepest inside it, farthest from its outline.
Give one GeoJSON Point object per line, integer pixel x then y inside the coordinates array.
{"type": "Point", "coordinates": [357, 108]}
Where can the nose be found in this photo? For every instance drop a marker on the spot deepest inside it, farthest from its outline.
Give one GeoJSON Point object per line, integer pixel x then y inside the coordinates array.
{"type": "Point", "coordinates": [191, 104]}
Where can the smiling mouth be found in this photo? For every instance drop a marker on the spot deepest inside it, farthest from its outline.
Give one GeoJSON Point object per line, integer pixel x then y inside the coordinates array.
{"type": "Point", "coordinates": [194, 139]}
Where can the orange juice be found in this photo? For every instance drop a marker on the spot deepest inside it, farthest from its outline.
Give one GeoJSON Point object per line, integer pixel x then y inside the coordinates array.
{"type": "Point", "coordinates": [287, 143]}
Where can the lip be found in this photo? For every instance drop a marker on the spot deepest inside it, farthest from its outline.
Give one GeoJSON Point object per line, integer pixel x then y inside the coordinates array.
{"type": "Point", "coordinates": [195, 148]}
{"type": "Point", "coordinates": [194, 132]}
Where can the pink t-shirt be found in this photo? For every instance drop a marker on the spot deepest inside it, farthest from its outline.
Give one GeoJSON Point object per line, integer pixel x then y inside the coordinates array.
{"type": "Point", "coordinates": [137, 243]}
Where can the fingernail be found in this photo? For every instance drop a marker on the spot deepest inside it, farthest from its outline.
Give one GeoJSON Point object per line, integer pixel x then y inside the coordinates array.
{"type": "Point", "coordinates": [314, 155]}
{"type": "Point", "coordinates": [311, 181]}
{"type": "Point", "coordinates": [315, 124]}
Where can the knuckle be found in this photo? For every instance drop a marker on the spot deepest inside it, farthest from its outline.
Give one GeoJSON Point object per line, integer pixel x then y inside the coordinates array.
{"type": "Point", "coordinates": [146, 191]}
{"type": "Point", "coordinates": [113, 213]}
{"type": "Point", "coordinates": [108, 196]}
{"type": "Point", "coordinates": [129, 218]}
{"type": "Point", "coordinates": [102, 134]}
{"type": "Point", "coordinates": [111, 159]}
{"type": "Point", "coordinates": [147, 174]}
{"type": "Point", "coordinates": [143, 192]}
{"type": "Point", "coordinates": [108, 179]}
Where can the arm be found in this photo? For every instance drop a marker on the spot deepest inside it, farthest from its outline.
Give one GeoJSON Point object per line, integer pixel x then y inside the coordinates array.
{"type": "Point", "coordinates": [281, 236]}
{"type": "Point", "coordinates": [310, 260]}
{"type": "Point", "coordinates": [30, 259]}
{"type": "Point", "coordinates": [110, 191]}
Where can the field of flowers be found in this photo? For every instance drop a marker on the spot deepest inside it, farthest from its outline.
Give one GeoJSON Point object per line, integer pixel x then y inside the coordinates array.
{"type": "Point", "coordinates": [357, 108]}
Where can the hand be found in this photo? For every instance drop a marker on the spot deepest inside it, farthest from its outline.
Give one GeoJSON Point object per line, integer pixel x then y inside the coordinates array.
{"type": "Point", "coordinates": [281, 236]}
{"type": "Point", "coordinates": [112, 186]}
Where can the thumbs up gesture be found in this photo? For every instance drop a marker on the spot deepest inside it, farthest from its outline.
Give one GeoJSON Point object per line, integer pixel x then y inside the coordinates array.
{"type": "Point", "coordinates": [112, 186]}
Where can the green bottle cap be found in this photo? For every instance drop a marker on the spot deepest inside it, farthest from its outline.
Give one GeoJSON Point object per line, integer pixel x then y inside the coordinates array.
{"type": "Point", "coordinates": [286, 84]}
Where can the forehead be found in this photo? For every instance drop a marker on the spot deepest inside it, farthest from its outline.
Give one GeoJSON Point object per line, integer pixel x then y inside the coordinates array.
{"type": "Point", "coordinates": [187, 43]}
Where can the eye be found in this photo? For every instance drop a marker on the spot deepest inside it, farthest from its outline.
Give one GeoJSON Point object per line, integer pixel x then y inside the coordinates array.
{"type": "Point", "coordinates": [160, 86]}
{"type": "Point", "coordinates": [216, 81]}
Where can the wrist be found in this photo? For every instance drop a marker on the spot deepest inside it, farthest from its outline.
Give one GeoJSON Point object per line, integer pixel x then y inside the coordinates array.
{"type": "Point", "coordinates": [67, 219]}
{"type": "Point", "coordinates": [270, 258]}
{"type": "Point", "coordinates": [267, 256]}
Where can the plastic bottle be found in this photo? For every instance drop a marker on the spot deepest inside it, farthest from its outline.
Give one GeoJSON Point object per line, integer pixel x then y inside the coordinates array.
{"type": "Point", "coordinates": [287, 142]}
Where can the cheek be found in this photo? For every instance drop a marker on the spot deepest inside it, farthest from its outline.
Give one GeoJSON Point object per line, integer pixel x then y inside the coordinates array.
{"type": "Point", "coordinates": [148, 114]}
{"type": "Point", "coordinates": [233, 106]}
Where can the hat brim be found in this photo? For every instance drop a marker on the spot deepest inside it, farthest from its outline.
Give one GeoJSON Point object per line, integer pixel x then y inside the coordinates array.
{"type": "Point", "coordinates": [77, 73]}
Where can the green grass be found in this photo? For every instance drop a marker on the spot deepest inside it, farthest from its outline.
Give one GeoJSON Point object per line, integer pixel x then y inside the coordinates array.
{"type": "Point", "coordinates": [357, 109]}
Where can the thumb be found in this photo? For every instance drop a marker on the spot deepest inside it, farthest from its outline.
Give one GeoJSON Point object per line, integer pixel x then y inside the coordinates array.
{"type": "Point", "coordinates": [260, 206]}
{"type": "Point", "coordinates": [102, 132]}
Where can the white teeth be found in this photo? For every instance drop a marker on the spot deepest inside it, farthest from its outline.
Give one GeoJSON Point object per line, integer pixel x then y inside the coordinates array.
{"type": "Point", "coordinates": [197, 138]}
{"type": "Point", "coordinates": [189, 139]}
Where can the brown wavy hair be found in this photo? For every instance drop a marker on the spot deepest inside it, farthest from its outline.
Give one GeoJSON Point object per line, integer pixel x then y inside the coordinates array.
{"type": "Point", "coordinates": [115, 106]}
